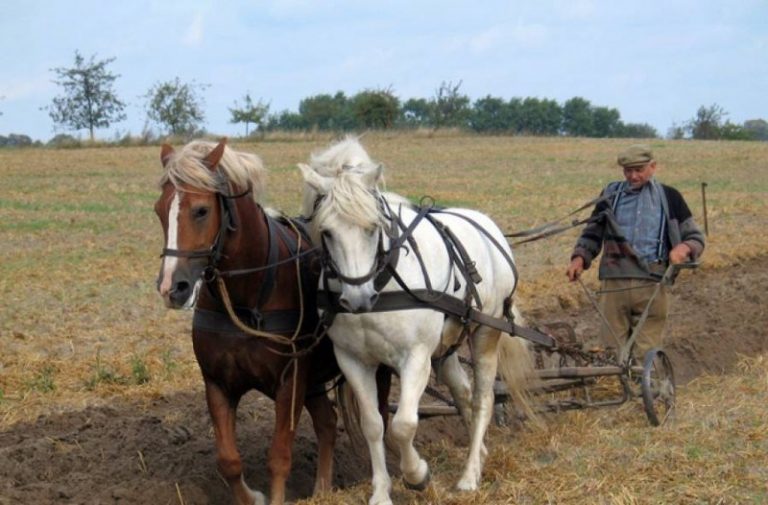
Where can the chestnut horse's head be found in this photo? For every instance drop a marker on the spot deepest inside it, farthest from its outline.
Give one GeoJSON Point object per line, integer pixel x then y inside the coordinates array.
{"type": "Point", "coordinates": [197, 211]}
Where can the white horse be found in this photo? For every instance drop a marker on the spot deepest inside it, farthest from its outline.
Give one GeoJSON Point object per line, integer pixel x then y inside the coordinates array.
{"type": "Point", "coordinates": [354, 220]}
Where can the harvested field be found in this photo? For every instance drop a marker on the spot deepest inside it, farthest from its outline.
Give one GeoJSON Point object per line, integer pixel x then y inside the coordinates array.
{"type": "Point", "coordinates": [101, 401]}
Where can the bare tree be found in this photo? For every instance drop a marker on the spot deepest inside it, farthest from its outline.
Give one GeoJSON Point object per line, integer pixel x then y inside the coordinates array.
{"type": "Point", "coordinates": [450, 108]}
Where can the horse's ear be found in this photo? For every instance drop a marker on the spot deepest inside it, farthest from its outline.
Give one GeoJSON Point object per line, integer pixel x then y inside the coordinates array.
{"type": "Point", "coordinates": [316, 181]}
{"type": "Point", "coordinates": [166, 151]}
{"type": "Point", "coordinates": [214, 157]}
{"type": "Point", "coordinates": [372, 177]}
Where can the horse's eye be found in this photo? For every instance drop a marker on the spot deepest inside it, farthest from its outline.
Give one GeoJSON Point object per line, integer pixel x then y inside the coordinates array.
{"type": "Point", "coordinates": [200, 212]}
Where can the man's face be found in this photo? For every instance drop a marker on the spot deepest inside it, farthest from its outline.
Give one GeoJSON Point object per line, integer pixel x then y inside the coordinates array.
{"type": "Point", "coordinates": [637, 177]}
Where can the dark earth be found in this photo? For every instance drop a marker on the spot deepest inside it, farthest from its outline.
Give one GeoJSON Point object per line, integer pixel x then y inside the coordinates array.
{"type": "Point", "coordinates": [161, 451]}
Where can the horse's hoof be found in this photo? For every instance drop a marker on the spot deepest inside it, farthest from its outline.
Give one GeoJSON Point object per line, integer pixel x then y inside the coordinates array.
{"type": "Point", "coordinates": [420, 486]}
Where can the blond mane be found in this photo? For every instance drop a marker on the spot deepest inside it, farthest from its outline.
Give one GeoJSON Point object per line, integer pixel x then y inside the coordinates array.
{"type": "Point", "coordinates": [185, 167]}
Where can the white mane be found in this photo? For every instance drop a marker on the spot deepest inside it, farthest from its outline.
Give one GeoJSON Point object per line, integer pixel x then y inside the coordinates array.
{"type": "Point", "coordinates": [351, 200]}
{"type": "Point", "coordinates": [345, 156]}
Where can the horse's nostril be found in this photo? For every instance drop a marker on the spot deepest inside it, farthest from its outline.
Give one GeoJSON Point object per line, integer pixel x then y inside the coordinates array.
{"type": "Point", "coordinates": [374, 299]}
{"type": "Point", "coordinates": [181, 287]}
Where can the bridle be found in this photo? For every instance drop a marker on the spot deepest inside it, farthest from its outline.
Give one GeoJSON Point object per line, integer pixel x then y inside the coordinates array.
{"type": "Point", "coordinates": [228, 223]}
{"type": "Point", "coordinates": [385, 261]}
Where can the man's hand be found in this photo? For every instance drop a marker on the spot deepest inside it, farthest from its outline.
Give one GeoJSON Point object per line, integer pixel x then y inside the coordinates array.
{"type": "Point", "coordinates": [576, 268]}
{"type": "Point", "coordinates": [679, 254]}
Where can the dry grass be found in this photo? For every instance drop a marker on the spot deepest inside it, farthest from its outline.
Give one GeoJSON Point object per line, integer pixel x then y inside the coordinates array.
{"type": "Point", "coordinates": [712, 453]}
{"type": "Point", "coordinates": [80, 321]}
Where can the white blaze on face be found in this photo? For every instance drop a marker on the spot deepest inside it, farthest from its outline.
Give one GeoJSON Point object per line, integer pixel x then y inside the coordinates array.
{"type": "Point", "coordinates": [169, 262]}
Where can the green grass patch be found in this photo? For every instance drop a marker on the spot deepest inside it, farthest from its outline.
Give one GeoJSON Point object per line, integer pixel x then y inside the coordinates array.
{"type": "Point", "coordinates": [103, 374]}
{"type": "Point", "coordinates": [43, 380]}
{"type": "Point", "coordinates": [139, 370]}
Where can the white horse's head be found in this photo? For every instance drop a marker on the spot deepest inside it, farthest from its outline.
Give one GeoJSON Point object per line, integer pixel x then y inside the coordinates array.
{"type": "Point", "coordinates": [346, 155]}
{"type": "Point", "coordinates": [348, 220]}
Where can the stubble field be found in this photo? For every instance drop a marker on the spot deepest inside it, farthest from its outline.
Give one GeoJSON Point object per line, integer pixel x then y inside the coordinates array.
{"type": "Point", "coordinates": [101, 400]}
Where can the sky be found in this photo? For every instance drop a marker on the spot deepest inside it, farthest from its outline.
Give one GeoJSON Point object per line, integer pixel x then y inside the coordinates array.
{"type": "Point", "coordinates": [656, 61]}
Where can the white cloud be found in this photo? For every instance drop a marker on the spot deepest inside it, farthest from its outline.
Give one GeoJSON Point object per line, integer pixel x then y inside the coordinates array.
{"type": "Point", "coordinates": [194, 34]}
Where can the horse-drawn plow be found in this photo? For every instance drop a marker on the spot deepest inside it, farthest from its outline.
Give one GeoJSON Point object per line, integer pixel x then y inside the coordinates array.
{"type": "Point", "coordinates": [570, 374]}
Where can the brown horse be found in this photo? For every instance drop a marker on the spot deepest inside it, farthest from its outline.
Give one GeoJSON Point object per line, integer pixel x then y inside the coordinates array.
{"type": "Point", "coordinates": [223, 250]}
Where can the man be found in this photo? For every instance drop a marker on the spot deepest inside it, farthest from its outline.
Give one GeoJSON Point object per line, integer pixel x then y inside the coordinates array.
{"type": "Point", "coordinates": [641, 226]}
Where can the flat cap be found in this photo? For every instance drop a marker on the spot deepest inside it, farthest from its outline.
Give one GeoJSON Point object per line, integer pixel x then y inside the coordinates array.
{"type": "Point", "coordinates": [636, 155]}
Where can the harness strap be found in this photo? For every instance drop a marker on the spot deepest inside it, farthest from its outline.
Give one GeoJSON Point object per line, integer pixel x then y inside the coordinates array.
{"type": "Point", "coordinates": [493, 241]}
{"type": "Point", "coordinates": [459, 257]}
{"type": "Point", "coordinates": [273, 321]}
{"type": "Point", "coordinates": [408, 235]}
{"type": "Point", "coordinates": [273, 252]}
{"type": "Point", "coordinates": [422, 299]}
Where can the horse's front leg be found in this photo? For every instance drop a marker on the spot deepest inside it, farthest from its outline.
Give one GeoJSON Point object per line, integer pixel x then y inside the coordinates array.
{"type": "Point", "coordinates": [324, 422]}
{"type": "Point", "coordinates": [288, 399]}
{"type": "Point", "coordinates": [362, 379]}
{"type": "Point", "coordinates": [414, 376]}
{"type": "Point", "coordinates": [222, 409]}
{"type": "Point", "coordinates": [485, 360]}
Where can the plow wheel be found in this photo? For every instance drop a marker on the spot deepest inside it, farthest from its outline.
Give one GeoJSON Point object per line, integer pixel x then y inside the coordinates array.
{"type": "Point", "coordinates": [658, 387]}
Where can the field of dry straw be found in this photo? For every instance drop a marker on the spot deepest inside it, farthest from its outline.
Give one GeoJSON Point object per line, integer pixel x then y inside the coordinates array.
{"type": "Point", "coordinates": [81, 323]}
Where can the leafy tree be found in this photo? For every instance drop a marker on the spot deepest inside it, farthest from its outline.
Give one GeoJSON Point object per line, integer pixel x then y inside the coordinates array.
{"type": "Point", "coordinates": [417, 112]}
{"type": "Point", "coordinates": [286, 120]}
{"type": "Point", "coordinates": [578, 118]}
{"type": "Point", "coordinates": [15, 140]}
{"type": "Point", "coordinates": [449, 107]}
{"type": "Point", "coordinates": [515, 115]}
{"type": "Point", "coordinates": [64, 140]}
{"type": "Point", "coordinates": [326, 112]}
{"type": "Point", "coordinates": [251, 112]}
{"type": "Point", "coordinates": [636, 131]}
{"type": "Point", "coordinates": [375, 108]}
{"type": "Point", "coordinates": [708, 123]}
{"type": "Point", "coordinates": [758, 128]}
{"type": "Point", "coordinates": [540, 116]}
{"type": "Point", "coordinates": [605, 122]}
{"type": "Point", "coordinates": [676, 132]}
{"type": "Point", "coordinates": [732, 131]}
{"type": "Point", "coordinates": [490, 114]}
{"type": "Point", "coordinates": [89, 100]}
{"type": "Point", "coordinates": [176, 106]}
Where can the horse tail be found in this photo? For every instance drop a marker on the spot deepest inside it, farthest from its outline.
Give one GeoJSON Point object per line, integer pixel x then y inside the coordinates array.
{"type": "Point", "coordinates": [516, 368]}
{"type": "Point", "coordinates": [349, 410]}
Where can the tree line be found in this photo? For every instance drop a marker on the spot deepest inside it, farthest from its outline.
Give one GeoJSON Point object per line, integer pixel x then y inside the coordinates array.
{"type": "Point", "coordinates": [88, 101]}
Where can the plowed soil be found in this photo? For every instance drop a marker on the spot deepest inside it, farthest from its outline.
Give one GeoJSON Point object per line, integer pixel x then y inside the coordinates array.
{"type": "Point", "coordinates": [162, 451]}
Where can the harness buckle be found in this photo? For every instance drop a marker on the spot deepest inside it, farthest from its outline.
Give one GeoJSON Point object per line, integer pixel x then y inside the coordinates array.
{"type": "Point", "coordinates": [210, 273]}
{"type": "Point", "coordinates": [257, 318]}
